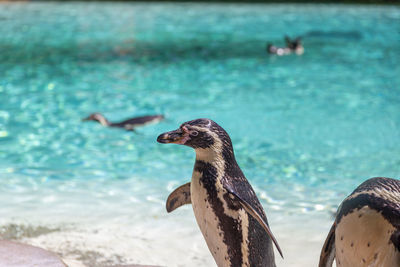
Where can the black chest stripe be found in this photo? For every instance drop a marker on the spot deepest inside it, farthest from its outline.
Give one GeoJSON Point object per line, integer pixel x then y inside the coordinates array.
{"type": "Point", "coordinates": [388, 209]}
{"type": "Point", "coordinates": [231, 228]}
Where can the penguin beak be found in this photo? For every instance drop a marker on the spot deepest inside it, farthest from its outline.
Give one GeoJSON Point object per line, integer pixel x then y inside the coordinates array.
{"type": "Point", "coordinates": [175, 137]}
{"type": "Point", "coordinates": [86, 119]}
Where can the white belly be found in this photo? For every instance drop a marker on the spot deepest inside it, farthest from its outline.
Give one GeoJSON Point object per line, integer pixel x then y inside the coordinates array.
{"type": "Point", "coordinates": [208, 222]}
{"type": "Point", "coordinates": [364, 241]}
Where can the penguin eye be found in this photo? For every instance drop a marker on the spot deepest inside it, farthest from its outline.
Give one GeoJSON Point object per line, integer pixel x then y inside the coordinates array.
{"type": "Point", "coordinates": [194, 133]}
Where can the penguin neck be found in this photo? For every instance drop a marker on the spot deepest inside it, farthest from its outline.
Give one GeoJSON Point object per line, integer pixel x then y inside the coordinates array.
{"type": "Point", "coordinates": [220, 158]}
{"type": "Point", "coordinates": [208, 155]}
{"type": "Point", "coordinates": [103, 121]}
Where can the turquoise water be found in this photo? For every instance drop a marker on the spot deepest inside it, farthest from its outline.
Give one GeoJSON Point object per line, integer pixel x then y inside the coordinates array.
{"type": "Point", "coordinates": [306, 129]}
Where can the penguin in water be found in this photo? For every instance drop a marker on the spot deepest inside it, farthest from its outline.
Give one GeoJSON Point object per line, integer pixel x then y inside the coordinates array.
{"type": "Point", "coordinates": [366, 231]}
{"type": "Point", "coordinates": [294, 45]}
{"type": "Point", "coordinates": [129, 124]}
{"type": "Point", "coordinates": [225, 205]}
{"type": "Point", "coordinates": [291, 46]}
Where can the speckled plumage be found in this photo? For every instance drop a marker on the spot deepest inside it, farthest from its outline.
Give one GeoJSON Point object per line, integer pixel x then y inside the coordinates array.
{"type": "Point", "coordinates": [366, 231]}
{"type": "Point", "coordinates": [226, 208]}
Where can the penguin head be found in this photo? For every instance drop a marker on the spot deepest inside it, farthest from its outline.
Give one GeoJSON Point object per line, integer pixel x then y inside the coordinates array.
{"type": "Point", "coordinates": [96, 117]}
{"type": "Point", "coordinates": [199, 133]}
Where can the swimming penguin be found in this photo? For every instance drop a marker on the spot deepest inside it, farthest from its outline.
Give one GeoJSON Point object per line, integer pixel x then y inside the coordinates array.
{"type": "Point", "coordinates": [366, 231]}
{"type": "Point", "coordinates": [129, 124]}
{"type": "Point", "coordinates": [294, 45]}
{"type": "Point", "coordinates": [225, 205]}
{"type": "Point", "coordinates": [291, 46]}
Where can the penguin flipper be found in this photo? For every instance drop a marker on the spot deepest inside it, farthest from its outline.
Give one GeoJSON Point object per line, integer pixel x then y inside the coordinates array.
{"type": "Point", "coordinates": [328, 250]}
{"type": "Point", "coordinates": [253, 212]}
{"type": "Point", "coordinates": [179, 197]}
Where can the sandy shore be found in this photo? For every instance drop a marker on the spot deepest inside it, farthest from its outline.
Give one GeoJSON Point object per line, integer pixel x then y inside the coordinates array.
{"type": "Point", "coordinates": [164, 241]}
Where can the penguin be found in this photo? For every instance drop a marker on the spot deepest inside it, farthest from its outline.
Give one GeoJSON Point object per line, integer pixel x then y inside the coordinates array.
{"type": "Point", "coordinates": [294, 45]}
{"type": "Point", "coordinates": [129, 124]}
{"type": "Point", "coordinates": [291, 46]}
{"type": "Point", "coordinates": [366, 231]}
{"type": "Point", "coordinates": [226, 208]}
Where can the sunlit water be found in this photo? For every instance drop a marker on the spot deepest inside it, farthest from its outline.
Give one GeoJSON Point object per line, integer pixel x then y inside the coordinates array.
{"type": "Point", "coordinates": [306, 129]}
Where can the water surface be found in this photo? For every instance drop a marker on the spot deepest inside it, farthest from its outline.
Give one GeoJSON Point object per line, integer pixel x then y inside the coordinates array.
{"type": "Point", "coordinates": [306, 129]}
